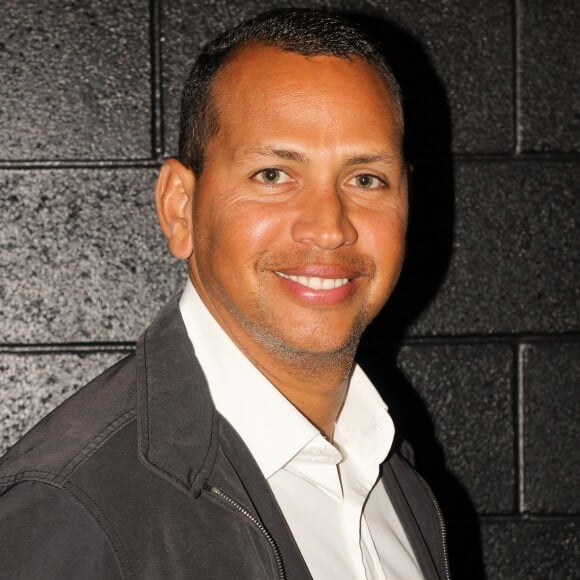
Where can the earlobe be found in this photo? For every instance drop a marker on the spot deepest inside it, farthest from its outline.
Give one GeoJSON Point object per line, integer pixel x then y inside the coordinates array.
{"type": "Point", "coordinates": [173, 199]}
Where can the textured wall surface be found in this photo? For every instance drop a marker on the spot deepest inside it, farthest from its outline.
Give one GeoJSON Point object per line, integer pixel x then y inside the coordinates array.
{"type": "Point", "coordinates": [478, 352]}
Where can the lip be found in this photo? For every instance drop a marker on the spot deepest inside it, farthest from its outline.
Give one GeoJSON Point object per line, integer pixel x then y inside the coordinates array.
{"type": "Point", "coordinates": [320, 271]}
{"type": "Point", "coordinates": [346, 283]}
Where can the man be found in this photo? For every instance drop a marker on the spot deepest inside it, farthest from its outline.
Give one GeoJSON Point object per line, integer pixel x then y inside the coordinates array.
{"type": "Point", "coordinates": [263, 451]}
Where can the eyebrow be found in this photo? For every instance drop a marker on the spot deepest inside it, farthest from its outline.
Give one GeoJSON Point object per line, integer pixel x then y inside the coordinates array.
{"type": "Point", "coordinates": [286, 154]}
{"type": "Point", "coordinates": [373, 158]}
{"type": "Point", "coordinates": [297, 156]}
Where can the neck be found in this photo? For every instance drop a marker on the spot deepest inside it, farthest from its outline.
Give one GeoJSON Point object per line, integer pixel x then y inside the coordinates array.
{"type": "Point", "coordinates": [315, 384]}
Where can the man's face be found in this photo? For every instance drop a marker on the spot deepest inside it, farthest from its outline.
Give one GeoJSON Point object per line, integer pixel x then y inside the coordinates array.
{"type": "Point", "coordinates": [299, 213]}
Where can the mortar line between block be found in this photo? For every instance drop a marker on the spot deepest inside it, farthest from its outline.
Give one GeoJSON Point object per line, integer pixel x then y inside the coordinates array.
{"type": "Point", "coordinates": [32, 165]}
{"type": "Point", "coordinates": [157, 138]}
{"type": "Point", "coordinates": [520, 352]}
{"type": "Point", "coordinates": [517, 133]}
{"type": "Point", "coordinates": [68, 348]}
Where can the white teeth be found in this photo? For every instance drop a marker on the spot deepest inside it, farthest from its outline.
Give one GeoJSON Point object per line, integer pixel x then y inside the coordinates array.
{"type": "Point", "coordinates": [316, 283]}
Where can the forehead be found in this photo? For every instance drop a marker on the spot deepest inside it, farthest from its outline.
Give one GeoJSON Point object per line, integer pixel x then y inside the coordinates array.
{"type": "Point", "coordinates": [261, 83]}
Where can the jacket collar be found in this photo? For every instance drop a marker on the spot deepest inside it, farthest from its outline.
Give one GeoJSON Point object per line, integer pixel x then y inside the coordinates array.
{"type": "Point", "coordinates": [177, 423]}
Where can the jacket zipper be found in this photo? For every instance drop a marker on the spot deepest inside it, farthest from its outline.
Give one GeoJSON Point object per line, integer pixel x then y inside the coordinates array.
{"type": "Point", "coordinates": [278, 556]}
{"type": "Point", "coordinates": [441, 525]}
{"type": "Point", "coordinates": [232, 502]}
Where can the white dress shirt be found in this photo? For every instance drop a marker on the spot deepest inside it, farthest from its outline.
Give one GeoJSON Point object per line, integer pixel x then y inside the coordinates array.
{"type": "Point", "coordinates": [336, 507]}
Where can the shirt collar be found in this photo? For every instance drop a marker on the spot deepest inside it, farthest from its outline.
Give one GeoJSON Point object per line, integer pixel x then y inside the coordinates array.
{"type": "Point", "coordinates": [271, 427]}
{"type": "Point", "coordinates": [364, 429]}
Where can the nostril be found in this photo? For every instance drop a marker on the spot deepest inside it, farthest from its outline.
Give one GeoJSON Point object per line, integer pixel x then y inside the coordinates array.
{"type": "Point", "coordinates": [325, 233]}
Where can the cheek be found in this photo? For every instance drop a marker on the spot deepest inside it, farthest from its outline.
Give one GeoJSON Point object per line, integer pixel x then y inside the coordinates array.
{"type": "Point", "coordinates": [236, 235]}
{"type": "Point", "coordinates": [387, 239]}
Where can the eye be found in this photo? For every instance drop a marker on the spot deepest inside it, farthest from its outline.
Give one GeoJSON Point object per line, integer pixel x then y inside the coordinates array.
{"type": "Point", "coordinates": [367, 181]}
{"type": "Point", "coordinates": [271, 176]}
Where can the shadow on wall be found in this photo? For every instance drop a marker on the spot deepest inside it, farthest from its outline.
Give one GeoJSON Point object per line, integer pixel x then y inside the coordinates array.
{"type": "Point", "coordinates": [429, 248]}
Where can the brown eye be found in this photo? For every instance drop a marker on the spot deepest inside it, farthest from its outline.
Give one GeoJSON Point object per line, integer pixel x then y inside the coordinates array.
{"type": "Point", "coordinates": [363, 180]}
{"type": "Point", "coordinates": [271, 176]}
{"type": "Point", "coordinates": [368, 181]}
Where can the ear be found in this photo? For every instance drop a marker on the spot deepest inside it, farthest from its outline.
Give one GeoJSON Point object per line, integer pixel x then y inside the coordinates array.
{"type": "Point", "coordinates": [173, 198]}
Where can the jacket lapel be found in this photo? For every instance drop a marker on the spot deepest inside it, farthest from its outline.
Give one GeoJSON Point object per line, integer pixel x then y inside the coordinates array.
{"type": "Point", "coordinates": [409, 499]}
{"type": "Point", "coordinates": [176, 417]}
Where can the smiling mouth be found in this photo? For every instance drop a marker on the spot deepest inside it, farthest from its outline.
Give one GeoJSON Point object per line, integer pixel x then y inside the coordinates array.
{"type": "Point", "coordinates": [314, 282]}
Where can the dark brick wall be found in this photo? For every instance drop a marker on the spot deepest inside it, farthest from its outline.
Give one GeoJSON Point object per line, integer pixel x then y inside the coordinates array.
{"type": "Point", "coordinates": [478, 352]}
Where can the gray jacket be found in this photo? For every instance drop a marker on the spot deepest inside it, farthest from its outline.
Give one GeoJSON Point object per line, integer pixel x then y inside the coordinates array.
{"type": "Point", "coordinates": [138, 476]}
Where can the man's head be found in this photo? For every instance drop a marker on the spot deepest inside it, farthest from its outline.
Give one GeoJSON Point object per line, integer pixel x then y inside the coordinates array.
{"type": "Point", "coordinates": [305, 32]}
{"type": "Point", "coordinates": [294, 226]}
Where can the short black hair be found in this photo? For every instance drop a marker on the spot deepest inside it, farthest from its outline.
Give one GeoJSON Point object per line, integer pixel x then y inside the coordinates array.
{"type": "Point", "coordinates": [302, 31]}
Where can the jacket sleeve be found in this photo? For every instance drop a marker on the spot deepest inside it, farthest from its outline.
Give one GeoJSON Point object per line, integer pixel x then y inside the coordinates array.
{"type": "Point", "coordinates": [46, 533]}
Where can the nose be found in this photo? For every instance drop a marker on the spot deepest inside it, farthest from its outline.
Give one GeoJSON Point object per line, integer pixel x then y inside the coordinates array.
{"type": "Point", "coordinates": [323, 221]}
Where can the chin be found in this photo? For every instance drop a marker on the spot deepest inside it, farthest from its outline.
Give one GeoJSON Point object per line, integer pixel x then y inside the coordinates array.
{"type": "Point", "coordinates": [319, 344]}
{"type": "Point", "coordinates": [294, 337]}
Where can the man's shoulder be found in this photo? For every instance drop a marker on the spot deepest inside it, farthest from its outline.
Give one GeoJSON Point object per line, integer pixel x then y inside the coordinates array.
{"type": "Point", "coordinates": [72, 432]}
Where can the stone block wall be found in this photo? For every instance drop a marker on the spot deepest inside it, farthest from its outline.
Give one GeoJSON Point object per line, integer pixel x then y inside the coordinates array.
{"type": "Point", "coordinates": [478, 352]}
